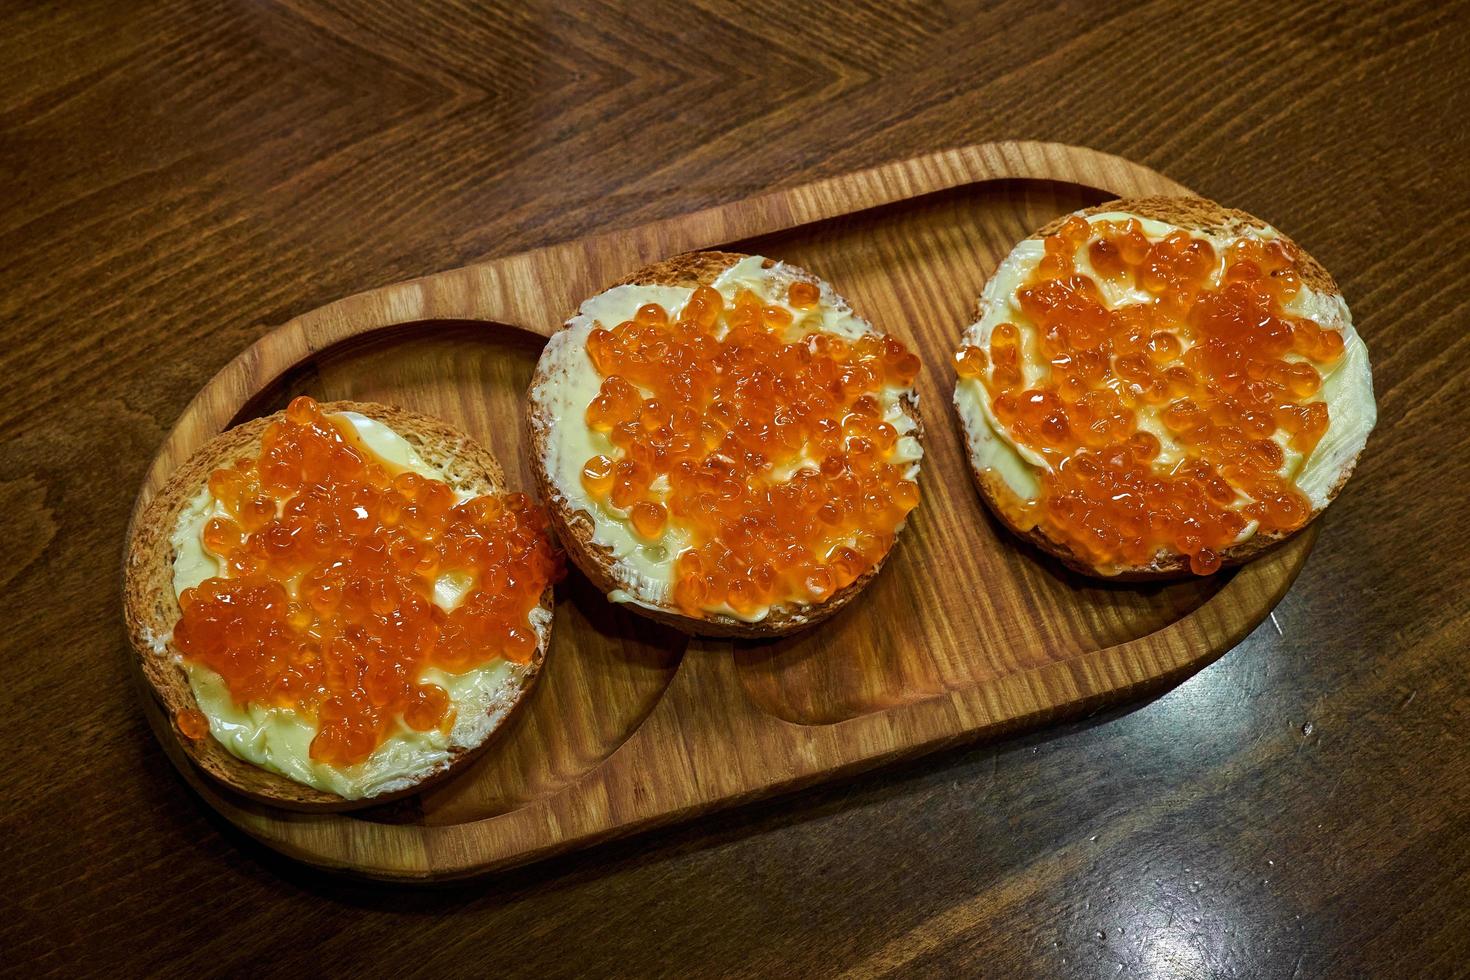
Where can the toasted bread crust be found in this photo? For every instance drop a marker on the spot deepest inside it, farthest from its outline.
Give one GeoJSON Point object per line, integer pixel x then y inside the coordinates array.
{"type": "Point", "coordinates": [151, 609]}
{"type": "Point", "coordinates": [1197, 214]}
{"type": "Point", "coordinates": [575, 528]}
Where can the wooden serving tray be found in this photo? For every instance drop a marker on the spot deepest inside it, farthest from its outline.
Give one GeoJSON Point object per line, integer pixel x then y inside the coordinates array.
{"type": "Point", "coordinates": [964, 634]}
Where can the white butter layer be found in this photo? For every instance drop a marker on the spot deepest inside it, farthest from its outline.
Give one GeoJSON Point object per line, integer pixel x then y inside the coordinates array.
{"type": "Point", "coordinates": [1347, 387]}
{"type": "Point", "coordinates": [645, 568]}
{"type": "Point", "coordinates": [279, 739]}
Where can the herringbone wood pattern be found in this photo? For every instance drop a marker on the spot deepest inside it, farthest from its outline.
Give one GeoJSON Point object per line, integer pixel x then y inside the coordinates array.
{"type": "Point", "coordinates": [179, 176]}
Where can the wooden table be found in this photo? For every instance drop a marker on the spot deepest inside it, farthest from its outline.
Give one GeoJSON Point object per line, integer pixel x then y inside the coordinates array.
{"type": "Point", "coordinates": [181, 177]}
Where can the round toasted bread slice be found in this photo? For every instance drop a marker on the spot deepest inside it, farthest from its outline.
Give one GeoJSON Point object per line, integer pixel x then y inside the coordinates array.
{"type": "Point", "coordinates": [578, 528]}
{"type": "Point", "coordinates": [151, 611]}
{"type": "Point", "coordinates": [999, 471]}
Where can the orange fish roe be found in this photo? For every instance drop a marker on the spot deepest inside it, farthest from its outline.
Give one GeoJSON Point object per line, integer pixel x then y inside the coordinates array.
{"type": "Point", "coordinates": [1222, 366]}
{"type": "Point", "coordinates": [192, 723]}
{"type": "Point", "coordinates": [765, 443]}
{"type": "Point", "coordinates": [332, 554]}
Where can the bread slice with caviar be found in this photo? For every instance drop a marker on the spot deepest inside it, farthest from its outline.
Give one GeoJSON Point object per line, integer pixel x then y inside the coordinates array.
{"type": "Point", "coordinates": [1204, 372]}
{"type": "Point", "coordinates": [634, 553]}
{"type": "Point", "coordinates": [404, 761]}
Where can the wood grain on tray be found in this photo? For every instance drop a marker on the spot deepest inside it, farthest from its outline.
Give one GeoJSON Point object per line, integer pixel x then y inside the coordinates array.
{"type": "Point", "coordinates": [964, 634]}
{"type": "Point", "coordinates": [185, 176]}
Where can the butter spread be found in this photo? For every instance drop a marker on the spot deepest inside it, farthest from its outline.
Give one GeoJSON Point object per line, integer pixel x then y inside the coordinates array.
{"type": "Point", "coordinates": [644, 568]}
{"type": "Point", "coordinates": [1347, 387]}
{"type": "Point", "coordinates": [279, 739]}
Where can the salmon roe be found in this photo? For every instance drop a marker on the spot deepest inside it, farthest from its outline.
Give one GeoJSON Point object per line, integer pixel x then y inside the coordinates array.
{"type": "Point", "coordinates": [192, 723]}
{"type": "Point", "coordinates": [332, 554]}
{"type": "Point", "coordinates": [765, 442]}
{"type": "Point", "coordinates": [1214, 361]}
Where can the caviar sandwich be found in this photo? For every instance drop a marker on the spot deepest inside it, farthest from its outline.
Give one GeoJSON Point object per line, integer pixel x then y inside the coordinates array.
{"type": "Point", "coordinates": [724, 445]}
{"type": "Point", "coordinates": [1159, 386]}
{"type": "Point", "coordinates": [338, 603]}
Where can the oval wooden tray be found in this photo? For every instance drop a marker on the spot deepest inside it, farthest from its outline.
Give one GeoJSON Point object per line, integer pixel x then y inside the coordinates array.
{"type": "Point", "coordinates": [964, 634]}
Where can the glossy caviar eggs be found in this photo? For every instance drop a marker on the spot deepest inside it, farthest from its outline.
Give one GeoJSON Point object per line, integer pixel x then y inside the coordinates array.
{"type": "Point", "coordinates": [765, 443]}
{"type": "Point", "coordinates": [331, 557]}
{"type": "Point", "coordinates": [1208, 355]}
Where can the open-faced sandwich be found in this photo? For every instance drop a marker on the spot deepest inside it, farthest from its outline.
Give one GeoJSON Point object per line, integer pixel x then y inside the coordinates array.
{"type": "Point", "coordinates": [1159, 386]}
{"type": "Point", "coordinates": [338, 603]}
{"type": "Point", "coordinates": [724, 445]}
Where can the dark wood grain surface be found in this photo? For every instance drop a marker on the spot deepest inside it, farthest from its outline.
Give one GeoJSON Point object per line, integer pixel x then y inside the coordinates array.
{"type": "Point", "coordinates": [179, 177]}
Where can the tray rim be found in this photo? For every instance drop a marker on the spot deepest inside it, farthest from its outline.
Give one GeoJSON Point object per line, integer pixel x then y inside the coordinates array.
{"type": "Point", "coordinates": [446, 851]}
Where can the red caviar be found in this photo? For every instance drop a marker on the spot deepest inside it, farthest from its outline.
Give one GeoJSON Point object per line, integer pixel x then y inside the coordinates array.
{"type": "Point", "coordinates": [766, 444]}
{"type": "Point", "coordinates": [332, 554]}
{"type": "Point", "coordinates": [1221, 365]}
{"type": "Point", "coordinates": [192, 723]}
